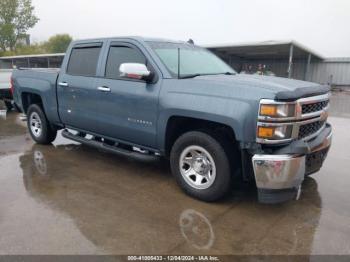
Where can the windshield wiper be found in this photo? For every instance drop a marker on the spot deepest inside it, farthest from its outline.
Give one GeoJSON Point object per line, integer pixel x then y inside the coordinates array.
{"type": "Point", "coordinates": [195, 75]}
{"type": "Point", "coordinates": [227, 73]}
{"type": "Point", "coordinates": [190, 76]}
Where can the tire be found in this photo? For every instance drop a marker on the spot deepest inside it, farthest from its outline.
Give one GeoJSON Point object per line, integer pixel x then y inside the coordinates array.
{"type": "Point", "coordinates": [39, 127]}
{"type": "Point", "coordinates": [8, 105]}
{"type": "Point", "coordinates": [199, 182]}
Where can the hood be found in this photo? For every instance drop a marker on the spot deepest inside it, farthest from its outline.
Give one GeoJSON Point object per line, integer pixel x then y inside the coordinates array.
{"type": "Point", "coordinates": [284, 89]}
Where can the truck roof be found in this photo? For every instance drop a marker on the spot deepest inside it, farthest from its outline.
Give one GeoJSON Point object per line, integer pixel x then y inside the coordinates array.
{"type": "Point", "coordinates": [137, 38]}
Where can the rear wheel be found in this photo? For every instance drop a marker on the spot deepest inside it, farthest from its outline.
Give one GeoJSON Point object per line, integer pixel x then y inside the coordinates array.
{"type": "Point", "coordinates": [201, 166]}
{"type": "Point", "coordinates": [39, 127]}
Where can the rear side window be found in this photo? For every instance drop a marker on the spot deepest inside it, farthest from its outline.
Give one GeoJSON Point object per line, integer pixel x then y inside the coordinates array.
{"type": "Point", "coordinates": [119, 55]}
{"type": "Point", "coordinates": [83, 61]}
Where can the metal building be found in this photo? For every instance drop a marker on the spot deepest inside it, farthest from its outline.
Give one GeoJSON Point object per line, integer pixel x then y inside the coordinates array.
{"type": "Point", "coordinates": [286, 59]}
{"type": "Point", "coordinates": [333, 70]}
{"type": "Point", "coordinates": [32, 61]}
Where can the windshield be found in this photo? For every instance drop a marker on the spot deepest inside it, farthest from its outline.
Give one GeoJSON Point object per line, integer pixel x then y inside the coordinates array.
{"type": "Point", "coordinates": [194, 60]}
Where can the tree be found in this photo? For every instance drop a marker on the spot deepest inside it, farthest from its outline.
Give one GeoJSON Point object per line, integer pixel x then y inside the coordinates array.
{"type": "Point", "coordinates": [16, 18]}
{"type": "Point", "coordinates": [58, 43]}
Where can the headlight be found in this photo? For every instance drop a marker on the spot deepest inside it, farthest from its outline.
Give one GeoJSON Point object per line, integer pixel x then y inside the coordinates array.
{"type": "Point", "coordinates": [275, 132]}
{"type": "Point", "coordinates": [277, 110]}
{"type": "Point", "coordinates": [272, 123]}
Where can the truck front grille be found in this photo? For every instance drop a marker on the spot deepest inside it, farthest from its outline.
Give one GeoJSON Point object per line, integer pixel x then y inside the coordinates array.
{"type": "Point", "coordinates": [314, 107]}
{"type": "Point", "coordinates": [309, 129]}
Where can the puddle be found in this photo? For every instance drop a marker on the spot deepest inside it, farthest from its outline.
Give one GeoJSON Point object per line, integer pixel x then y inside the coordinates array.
{"type": "Point", "coordinates": [3, 114]}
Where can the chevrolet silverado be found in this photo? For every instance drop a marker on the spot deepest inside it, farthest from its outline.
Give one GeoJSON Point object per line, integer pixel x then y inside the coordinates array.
{"type": "Point", "coordinates": [151, 97]}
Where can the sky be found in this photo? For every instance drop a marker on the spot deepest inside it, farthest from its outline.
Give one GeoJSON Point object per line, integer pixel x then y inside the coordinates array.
{"type": "Point", "coordinates": [321, 25]}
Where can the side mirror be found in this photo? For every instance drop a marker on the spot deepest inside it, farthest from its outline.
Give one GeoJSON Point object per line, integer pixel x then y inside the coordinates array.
{"type": "Point", "coordinates": [135, 71]}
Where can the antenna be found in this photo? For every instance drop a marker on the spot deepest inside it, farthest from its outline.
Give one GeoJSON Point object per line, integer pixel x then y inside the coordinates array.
{"type": "Point", "coordinates": [178, 63]}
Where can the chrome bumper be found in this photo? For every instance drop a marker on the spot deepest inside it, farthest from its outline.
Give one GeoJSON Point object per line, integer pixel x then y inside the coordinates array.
{"type": "Point", "coordinates": [278, 172]}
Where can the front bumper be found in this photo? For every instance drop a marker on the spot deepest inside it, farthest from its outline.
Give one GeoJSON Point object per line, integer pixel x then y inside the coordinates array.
{"type": "Point", "coordinates": [279, 176]}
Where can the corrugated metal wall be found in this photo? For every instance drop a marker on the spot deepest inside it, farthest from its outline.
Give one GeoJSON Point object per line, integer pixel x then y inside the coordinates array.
{"type": "Point", "coordinates": [335, 70]}
{"type": "Point", "coordinates": [330, 71]}
{"type": "Point", "coordinates": [278, 66]}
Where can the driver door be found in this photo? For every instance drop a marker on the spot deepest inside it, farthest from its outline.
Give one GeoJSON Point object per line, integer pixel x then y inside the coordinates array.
{"type": "Point", "coordinates": [128, 107]}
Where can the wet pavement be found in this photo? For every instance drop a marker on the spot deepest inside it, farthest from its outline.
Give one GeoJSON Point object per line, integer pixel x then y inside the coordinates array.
{"type": "Point", "coordinates": [70, 199]}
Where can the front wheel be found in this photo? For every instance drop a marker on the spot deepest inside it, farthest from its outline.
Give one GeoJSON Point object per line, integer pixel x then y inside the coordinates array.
{"type": "Point", "coordinates": [39, 127]}
{"type": "Point", "coordinates": [201, 166]}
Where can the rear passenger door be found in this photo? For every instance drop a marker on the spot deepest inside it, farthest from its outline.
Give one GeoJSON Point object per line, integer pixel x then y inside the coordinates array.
{"type": "Point", "coordinates": [128, 107]}
{"type": "Point", "coordinates": [76, 92]}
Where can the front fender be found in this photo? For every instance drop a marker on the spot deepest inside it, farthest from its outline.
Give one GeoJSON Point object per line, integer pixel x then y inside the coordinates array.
{"type": "Point", "coordinates": [240, 115]}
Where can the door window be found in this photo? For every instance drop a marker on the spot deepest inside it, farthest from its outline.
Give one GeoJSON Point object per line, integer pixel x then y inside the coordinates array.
{"type": "Point", "coordinates": [83, 61]}
{"type": "Point", "coordinates": [119, 55]}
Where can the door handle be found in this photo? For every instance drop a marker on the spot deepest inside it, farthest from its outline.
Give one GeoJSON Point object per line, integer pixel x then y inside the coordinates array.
{"type": "Point", "coordinates": [104, 89]}
{"type": "Point", "coordinates": [63, 84]}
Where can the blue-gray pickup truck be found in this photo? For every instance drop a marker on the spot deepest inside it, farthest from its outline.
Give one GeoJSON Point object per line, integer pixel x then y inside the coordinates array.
{"type": "Point", "coordinates": [159, 98]}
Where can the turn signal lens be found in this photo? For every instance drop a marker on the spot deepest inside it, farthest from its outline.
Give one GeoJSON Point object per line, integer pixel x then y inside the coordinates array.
{"type": "Point", "coordinates": [266, 132]}
{"type": "Point", "coordinates": [268, 110]}
{"type": "Point", "coordinates": [272, 109]}
{"type": "Point", "coordinates": [275, 132]}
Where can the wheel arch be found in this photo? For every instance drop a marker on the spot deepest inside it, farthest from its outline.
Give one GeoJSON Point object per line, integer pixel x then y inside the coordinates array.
{"type": "Point", "coordinates": [176, 125]}
{"type": "Point", "coordinates": [29, 98]}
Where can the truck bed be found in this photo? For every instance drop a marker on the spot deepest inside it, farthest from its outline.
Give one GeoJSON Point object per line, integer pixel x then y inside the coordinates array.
{"type": "Point", "coordinates": [45, 70]}
{"type": "Point", "coordinates": [37, 81]}
{"type": "Point", "coordinates": [37, 73]}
